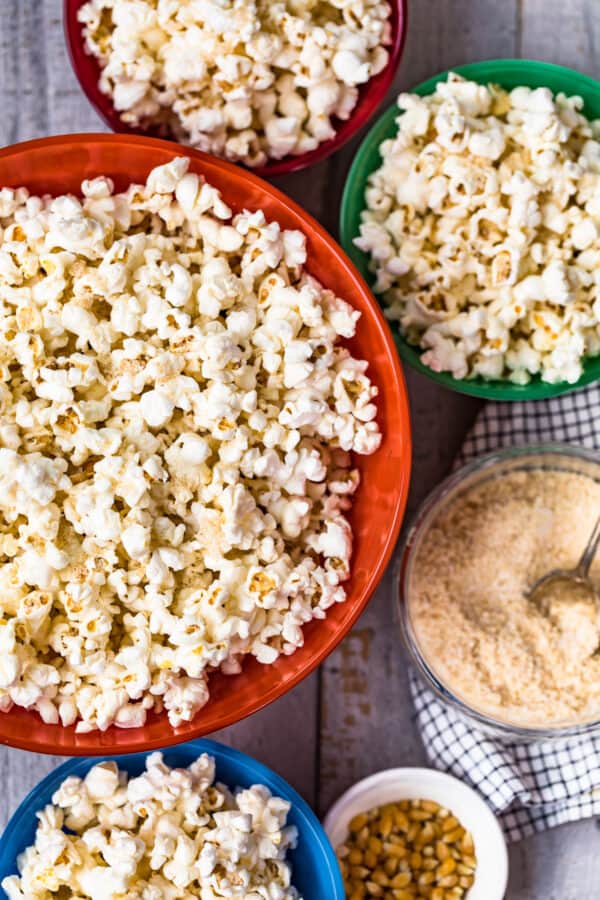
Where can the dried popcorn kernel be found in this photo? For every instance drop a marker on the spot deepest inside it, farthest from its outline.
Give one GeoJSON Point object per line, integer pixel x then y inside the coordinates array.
{"type": "Point", "coordinates": [413, 848]}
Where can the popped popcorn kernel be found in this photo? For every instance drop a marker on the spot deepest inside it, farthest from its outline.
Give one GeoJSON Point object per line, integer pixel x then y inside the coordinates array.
{"type": "Point", "coordinates": [248, 80]}
{"type": "Point", "coordinates": [172, 496]}
{"type": "Point", "coordinates": [166, 833]}
{"type": "Point", "coordinates": [483, 229]}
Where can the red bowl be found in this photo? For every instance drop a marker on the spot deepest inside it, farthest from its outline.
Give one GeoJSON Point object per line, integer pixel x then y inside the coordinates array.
{"type": "Point", "coordinates": [371, 95]}
{"type": "Point", "coordinates": [57, 165]}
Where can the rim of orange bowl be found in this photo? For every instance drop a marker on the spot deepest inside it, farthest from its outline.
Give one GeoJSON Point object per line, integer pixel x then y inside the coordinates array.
{"type": "Point", "coordinates": [374, 91]}
{"type": "Point", "coordinates": [313, 227]}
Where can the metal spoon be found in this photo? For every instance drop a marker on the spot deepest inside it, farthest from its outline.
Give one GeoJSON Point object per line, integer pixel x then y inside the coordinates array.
{"type": "Point", "coordinates": [579, 577]}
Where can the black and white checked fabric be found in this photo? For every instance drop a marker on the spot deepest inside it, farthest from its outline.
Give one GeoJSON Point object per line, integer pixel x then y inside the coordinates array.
{"type": "Point", "coordinates": [530, 786]}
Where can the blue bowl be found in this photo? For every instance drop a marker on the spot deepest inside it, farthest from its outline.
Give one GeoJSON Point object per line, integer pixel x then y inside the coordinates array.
{"type": "Point", "coordinates": [315, 873]}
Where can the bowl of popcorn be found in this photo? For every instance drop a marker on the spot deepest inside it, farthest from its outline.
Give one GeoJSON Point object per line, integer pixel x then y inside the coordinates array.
{"type": "Point", "coordinates": [274, 86]}
{"type": "Point", "coordinates": [204, 446]}
{"type": "Point", "coordinates": [201, 820]}
{"type": "Point", "coordinates": [413, 832]}
{"type": "Point", "coordinates": [473, 210]}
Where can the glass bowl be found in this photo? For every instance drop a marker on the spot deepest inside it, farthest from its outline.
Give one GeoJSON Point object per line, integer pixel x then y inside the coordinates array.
{"type": "Point", "coordinates": [509, 73]}
{"type": "Point", "coordinates": [58, 165]}
{"type": "Point", "coordinates": [371, 94]}
{"type": "Point", "coordinates": [316, 872]}
{"type": "Point", "coordinates": [562, 457]}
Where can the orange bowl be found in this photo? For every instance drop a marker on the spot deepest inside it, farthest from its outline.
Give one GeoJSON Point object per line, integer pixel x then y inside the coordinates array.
{"type": "Point", "coordinates": [58, 165]}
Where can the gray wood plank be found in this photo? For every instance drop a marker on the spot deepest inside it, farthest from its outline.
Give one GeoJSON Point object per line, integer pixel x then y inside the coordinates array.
{"type": "Point", "coordinates": [67, 105]}
{"type": "Point", "coordinates": [567, 33]}
{"type": "Point", "coordinates": [9, 74]}
{"type": "Point", "coordinates": [284, 736]}
{"type": "Point", "coordinates": [19, 772]}
{"type": "Point", "coordinates": [446, 33]}
{"type": "Point", "coordinates": [366, 719]}
{"type": "Point", "coordinates": [39, 90]}
{"type": "Point", "coordinates": [366, 711]}
{"type": "Point", "coordinates": [561, 864]}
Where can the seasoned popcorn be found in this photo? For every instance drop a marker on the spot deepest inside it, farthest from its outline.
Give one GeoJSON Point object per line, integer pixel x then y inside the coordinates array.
{"type": "Point", "coordinates": [177, 421]}
{"type": "Point", "coordinates": [245, 79]}
{"type": "Point", "coordinates": [483, 226]}
{"type": "Point", "coordinates": [169, 833]}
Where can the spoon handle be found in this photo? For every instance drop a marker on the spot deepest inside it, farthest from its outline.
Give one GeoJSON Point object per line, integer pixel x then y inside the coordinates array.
{"type": "Point", "coordinates": [589, 553]}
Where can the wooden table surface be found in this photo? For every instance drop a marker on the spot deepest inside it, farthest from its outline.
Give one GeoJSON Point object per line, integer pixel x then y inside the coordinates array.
{"type": "Point", "coordinates": [353, 716]}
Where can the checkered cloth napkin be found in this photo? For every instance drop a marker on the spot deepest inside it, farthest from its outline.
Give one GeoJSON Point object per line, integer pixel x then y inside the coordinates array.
{"type": "Point", "coordinates": [530, 786]}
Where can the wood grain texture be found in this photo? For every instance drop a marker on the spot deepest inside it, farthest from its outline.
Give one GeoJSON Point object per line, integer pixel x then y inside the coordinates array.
{"type": "Point", "coordinates": [567, 33]}
{"type": "Point", "coordinates": [366, 721]}
{"type": "Point", "coordinates": [441, 33]}
{"type": "Point", "coordinates": [354, 717]}
{"type": "Point", "coordinates": [284, 736]}
{"type": "Point", "coordinates": [19, 772]}
{"type": "Point", "coordinates": [366, 711]}
{"type": "Point", "coordinates": [562, 864]}
{"type": "Point", "coordinates": [68, 108]}
{"type": "Point", "coordinates": [446, 33]}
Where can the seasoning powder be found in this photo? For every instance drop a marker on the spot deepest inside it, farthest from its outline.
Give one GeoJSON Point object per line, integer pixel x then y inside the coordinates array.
{"type": "Point", "coordinates": [496, 650]}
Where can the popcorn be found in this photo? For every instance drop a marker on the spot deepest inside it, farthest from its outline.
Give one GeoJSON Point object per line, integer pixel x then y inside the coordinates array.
{"type": "Point", "coordinates": [156, 408]}
{"type": "Point", "coordinates": [483, 229]}
{"type": "Point", "coordinates": [165, 833]}
{"type": "Point", "coordinates": [172, 495]}
{"type": "Point", "coordinates": [248, 81]}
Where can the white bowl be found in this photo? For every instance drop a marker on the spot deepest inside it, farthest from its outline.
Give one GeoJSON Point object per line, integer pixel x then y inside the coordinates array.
{"type": "Point", "coordinates": [491, 874]}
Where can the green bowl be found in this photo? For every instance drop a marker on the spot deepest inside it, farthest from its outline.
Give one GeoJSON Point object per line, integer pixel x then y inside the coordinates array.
{"type": "Point", "coordinates": [509, 73]}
